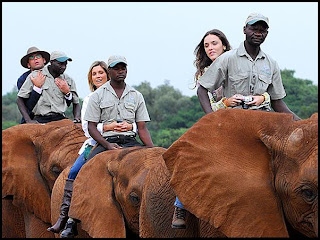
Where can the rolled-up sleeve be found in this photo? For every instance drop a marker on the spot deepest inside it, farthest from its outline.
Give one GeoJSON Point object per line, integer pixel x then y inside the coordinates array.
{"type": "Point", "coordinates": [93, 111]}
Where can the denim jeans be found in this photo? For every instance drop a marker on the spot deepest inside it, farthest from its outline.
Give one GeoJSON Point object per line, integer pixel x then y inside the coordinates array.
{"type": "Point", "coordinates": [178, 204]}
{"type": "Point", "coordinates": [77, 166]}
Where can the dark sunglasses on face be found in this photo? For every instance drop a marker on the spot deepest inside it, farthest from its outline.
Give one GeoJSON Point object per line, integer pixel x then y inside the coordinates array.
{"type": "Point", "coordinates": [37, 56]}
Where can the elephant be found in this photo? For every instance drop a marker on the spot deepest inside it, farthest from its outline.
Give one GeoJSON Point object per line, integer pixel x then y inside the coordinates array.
{"type": "Point", "coordinates": [33, 156]}
{"type": "Point", "coordinates": [249, 173]}
{"type": "Point", "coordinates": [116, 195]}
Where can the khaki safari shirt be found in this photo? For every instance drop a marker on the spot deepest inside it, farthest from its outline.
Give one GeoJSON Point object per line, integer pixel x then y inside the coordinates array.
{"type": "Point", "coordinates": [239, 73]}
{"type": "Point", "coordinates": [105, 106]}
{"type": "Point", "coordinates": [52, 100]}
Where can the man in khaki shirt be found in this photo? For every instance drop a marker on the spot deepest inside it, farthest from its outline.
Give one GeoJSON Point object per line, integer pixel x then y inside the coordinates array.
{"type": "Point", "coordinates": [56, 90]}
{"type": "Point", "coordinates": [246, 71]}
{"type": "Point", "coordinates": [114, 101]}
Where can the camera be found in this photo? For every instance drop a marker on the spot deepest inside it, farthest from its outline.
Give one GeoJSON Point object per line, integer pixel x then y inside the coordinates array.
{"type": "Point", "coordinates": [245, 100]}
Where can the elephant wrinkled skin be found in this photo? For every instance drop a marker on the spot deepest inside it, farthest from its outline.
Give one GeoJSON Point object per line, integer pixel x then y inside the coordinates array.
{"type": "Point", "coordinates": [116, 195]}
{"type": "Point", "coordinates": [33, 156]}
{"type": "Point", "coordinates": [249, 173]}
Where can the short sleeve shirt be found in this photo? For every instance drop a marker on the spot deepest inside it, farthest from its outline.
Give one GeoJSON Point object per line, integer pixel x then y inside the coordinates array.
{"type": "Point", "coordinates": [105, 106]}
{"type": "Point", "coordinates": [239, 73]}
{"type": "Point", "coordinates": [52, 100]}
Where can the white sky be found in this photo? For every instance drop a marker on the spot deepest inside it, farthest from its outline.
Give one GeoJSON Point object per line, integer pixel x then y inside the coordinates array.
{"type": "Point", "coordinates": [157, 38]}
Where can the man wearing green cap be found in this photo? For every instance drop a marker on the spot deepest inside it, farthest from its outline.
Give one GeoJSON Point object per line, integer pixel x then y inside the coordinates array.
{"type": "Point", "coordinates": [57, 89]}
{"type": "Point", "coordinates": [246, 70]}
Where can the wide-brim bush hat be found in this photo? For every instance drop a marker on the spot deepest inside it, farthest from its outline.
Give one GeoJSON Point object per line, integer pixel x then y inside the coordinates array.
{"type": "Point", "coordinates": [24, 61]}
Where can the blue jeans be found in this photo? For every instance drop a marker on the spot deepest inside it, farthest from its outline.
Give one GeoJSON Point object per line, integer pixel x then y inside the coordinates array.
{"type": "Point", "coordinates": [77, 166]}
{"type": "Point", "coordinates": [178, 204]}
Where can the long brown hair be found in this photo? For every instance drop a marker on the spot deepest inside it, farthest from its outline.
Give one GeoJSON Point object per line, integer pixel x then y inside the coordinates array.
{"type": "Point", "coordinates": [202, 60]}
{"type": "Point", "coordinates": [94, 64]}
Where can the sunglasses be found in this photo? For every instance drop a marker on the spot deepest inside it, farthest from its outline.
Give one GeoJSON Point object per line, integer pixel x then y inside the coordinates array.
{"type": "Point", "coordinates": [37, 56]}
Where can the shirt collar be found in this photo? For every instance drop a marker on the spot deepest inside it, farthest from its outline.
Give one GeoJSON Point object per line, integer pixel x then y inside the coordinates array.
{"type": "Point", "coordinates": [108, 86]}
{"type": "Point", "coordinates": [243, 52]}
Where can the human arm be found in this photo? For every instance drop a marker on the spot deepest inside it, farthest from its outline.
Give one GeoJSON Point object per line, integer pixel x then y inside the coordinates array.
{"type": "Point", "coordinates": [96, 135]}
{"type": "Point", "coordinates": [144, 134]}
{"type": "Point", "coordinates": [76, 112]}
{"type": "Point", "coordinates": [23, 110]}
{"type": "Point", "coordinates": [65, 89]}
{"type": "Point", "coordinates": [37, 81]}
{"type": "Point", "coordinates": [280, 106]}
{"type": "Point", "coordinates": [203, 99]}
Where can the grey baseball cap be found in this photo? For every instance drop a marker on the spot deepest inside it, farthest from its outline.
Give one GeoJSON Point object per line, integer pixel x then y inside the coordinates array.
{"type": "Point", "coordinates": [59, 56]}
{"type": "Point", "coordinates": [114, 60]}
{"type": "Point", "coordinates": [255, 17]}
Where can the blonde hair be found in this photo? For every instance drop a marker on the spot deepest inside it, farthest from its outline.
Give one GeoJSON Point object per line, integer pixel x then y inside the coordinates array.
{"type": "Point", "coordinates": [94, 64]}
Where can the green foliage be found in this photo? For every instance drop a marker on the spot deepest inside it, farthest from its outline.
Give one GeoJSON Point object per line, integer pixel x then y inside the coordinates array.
{"type": "Point", "coordinates": [172, 113]}
{"type": "Point", "coordinates": [302, 95]}
{"type": "Point", "coordinates": [7, 124]}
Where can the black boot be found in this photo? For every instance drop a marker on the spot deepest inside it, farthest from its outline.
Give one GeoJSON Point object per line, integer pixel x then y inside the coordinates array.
{"type": "Point", "coordinates": [62, 220]}
{"type": "Point", "coordinates": [70, 231]}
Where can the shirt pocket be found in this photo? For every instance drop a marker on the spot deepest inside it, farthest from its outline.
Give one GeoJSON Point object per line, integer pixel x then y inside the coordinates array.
{"type": "Point", "coordinates": [107, 107]}
{"type": "Point", "coordinates": [239, 84]}
{"type": "Point", "coordinates": [262, 84]}
{"type": "Point", "coordinates": [129, 112]}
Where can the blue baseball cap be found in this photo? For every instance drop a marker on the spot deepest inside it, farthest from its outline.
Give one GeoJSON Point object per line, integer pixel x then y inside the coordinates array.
{"type": "Point", "coordinates": [255, 17]}
{"type": "Point", "coordinates": [59, 56]}
{"type": "Point", "coordinates": [114, 60]}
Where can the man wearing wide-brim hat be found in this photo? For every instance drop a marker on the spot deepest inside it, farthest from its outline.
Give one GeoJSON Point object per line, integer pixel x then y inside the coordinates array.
{"type": "Point", "coordinates": [35, 59]}
{"type": "Point", "coordinates": [57, 90]}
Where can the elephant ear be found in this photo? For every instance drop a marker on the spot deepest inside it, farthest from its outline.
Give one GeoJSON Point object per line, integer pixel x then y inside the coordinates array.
{"type": "Point", "coordinates": [93, 200]}
{"type": "Point", "coordinates": [21, 177]}
{"type": "Point", "coordinates": [220, 170]}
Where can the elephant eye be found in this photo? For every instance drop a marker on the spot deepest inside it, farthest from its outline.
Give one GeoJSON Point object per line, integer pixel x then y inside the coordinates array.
{"type": "Point", "coordinates": [134, 198]}
{"type": "Point", "coordinates": [56, 170]}
{"type": "Point", "coordinates": [308, 194]}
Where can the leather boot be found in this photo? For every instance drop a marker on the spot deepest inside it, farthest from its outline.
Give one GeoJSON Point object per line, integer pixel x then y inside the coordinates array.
{"type": "Point", "coordinates": [178, 220]}
{"type": "Point", "coordinates": [62, 220]}
{"type": "Point", "coordinates": [70, 230]}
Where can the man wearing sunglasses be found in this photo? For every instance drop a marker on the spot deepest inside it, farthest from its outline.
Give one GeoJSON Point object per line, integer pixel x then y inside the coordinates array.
{"type": "Point", "coordinates": [56, 91]}
{"type": "Point", "coordinates": [35, 59]}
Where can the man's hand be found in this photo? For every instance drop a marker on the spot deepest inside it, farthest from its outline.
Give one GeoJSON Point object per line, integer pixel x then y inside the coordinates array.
{"type": "Point", "coordinates": [62, 85]}
{"type": "Point", "coordinates": [39, 80]}
{"type": "Point", "coordinates": [31, 121]}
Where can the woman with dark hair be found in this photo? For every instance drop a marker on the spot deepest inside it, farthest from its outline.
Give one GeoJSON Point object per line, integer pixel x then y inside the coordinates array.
{"type": "Point", "coordinates": [212, 45]}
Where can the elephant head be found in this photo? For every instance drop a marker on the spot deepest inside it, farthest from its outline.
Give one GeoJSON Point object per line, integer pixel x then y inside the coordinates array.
{"type": "Point", "coordinates": [126, 193]}
{"type": "Point", "coordinates": [107, 191]}
{"type": "Point", "coordinates": [33, 155]}
{"type": "Point", "coordinates": [249, 173]}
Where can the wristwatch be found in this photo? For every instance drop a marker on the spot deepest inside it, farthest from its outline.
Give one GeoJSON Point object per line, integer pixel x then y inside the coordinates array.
{"type": "Point", "coordinates": [67, 95]}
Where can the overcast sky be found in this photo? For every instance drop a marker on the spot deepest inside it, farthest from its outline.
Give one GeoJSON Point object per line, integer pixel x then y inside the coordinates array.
{"type": "Point", "coordinates": [157, 38]}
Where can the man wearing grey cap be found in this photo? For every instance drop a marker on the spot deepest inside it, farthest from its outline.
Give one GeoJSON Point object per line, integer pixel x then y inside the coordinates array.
{"type": "Point", "coordinates": [56, 90]}
{"type": "Point", "coordinates": [114, 101]}
{"type": "Point", "coordinates": [246, 70]}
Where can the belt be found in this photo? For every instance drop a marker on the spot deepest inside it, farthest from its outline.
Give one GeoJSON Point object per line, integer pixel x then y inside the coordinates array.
{"type": "Point", "coordinates": [51, 114]}
{"type": "Point", "coordinates": [120, 138]}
